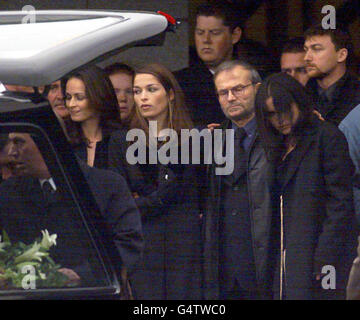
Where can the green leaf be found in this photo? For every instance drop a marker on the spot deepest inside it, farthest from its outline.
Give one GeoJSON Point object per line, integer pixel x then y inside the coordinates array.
{"type": "Point", "coordinates": [5, 236]}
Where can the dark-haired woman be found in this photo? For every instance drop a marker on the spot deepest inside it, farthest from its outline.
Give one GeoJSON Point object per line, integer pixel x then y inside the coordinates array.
{"type": "Point", "coordinates": [94, 112]}
{"type": "Point", "coordinates": [166, 194]}
{"type": "Point", "coordinates": [313, 170]}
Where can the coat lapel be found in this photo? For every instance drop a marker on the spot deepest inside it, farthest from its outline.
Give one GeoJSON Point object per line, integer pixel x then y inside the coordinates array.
{"type": "Point", "coordinates": [298, 155]}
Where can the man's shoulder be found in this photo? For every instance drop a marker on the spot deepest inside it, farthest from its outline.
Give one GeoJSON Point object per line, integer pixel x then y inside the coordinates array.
{"type": "Point", "coordinates": [352, 119]}
{"type": "Point", "coordinates": [189, 72]}
{"type": "Point", "coordinates": [102, 177]}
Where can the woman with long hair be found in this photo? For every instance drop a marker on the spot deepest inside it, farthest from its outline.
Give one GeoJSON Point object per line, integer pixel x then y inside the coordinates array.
{"type": "Point", "coordinates": [313, 175]}
{"type": "Point", "coordinates": [94, 113]}
{"type": "Point", "coordinates": [166, 194]}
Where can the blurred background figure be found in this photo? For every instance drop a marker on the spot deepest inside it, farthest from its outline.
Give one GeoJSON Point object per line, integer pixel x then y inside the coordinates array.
{"type": "Point", "coordinates": [54, 94]}
{"type": "Point", "coordinates": [122, 77]}
{"type": "Point", "coordinates": [217, 30]}
{"type": "Point", "coordinates": [94, 112]}
{"type": "Point", "coordinates": [328, 52]}
{"type": "Point", "coordinates": [292, 60]}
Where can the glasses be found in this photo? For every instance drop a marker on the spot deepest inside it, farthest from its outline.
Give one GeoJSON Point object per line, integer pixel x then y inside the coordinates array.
{"type": "Point", "coordinates": [236, 91]}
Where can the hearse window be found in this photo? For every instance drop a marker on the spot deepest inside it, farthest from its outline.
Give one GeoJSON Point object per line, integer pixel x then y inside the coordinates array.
{"type": "Point", "coordinates": [45, 240]}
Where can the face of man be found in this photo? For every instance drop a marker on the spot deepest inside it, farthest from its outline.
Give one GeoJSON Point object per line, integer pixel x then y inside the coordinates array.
{"type": "Point", "coordinates": [123, 86]}
{"type": "Point", "coordinates": [321, 57]}
{"type": "Point", "coordinates": [214, 41]}
{"type": "Point", "coordinates": [293, 64]}
{"type": "Point", "coordinates": [56, 99]}
{"type": "Point", "coordinates": [26, 157]}
{"type": "Point", "coordinates": [236, 93]}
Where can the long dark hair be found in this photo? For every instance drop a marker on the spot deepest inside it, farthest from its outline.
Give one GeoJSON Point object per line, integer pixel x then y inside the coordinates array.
{"type": "Point", "coordinates": [101, 96]}
{"type": "Point", "coordinates": [285, 91]}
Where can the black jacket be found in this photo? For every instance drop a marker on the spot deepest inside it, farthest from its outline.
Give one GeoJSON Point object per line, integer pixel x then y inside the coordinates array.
{"type": "Point", "coordinates": [168, 202]}
{"type": "Point", "coordinates": [345, 97]}
{"type": "Point", "coordinates": [199, 89]}
{"type": "Point", "coordinates": [261, 222]}
{"type": "Point", "coordinates": [319, 226]}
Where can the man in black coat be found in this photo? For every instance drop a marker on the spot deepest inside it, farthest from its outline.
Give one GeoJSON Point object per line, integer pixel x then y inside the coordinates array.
{"type": "Point", "coordinates": [217, 31]}
{"type": "Point", "coordinates": [237, 221]}
{"type": "Point", "coordinates": [334, 88]}
{"type": "Point", "coordinates": [27, 207]}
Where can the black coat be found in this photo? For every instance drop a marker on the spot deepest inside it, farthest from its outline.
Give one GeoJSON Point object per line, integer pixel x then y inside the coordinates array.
{"type": "Point", "coordinates": [199, 89]}
{"type": "Point", "coordinates": [345, 98]}
{"type": "Point", "coordinates": [171, 226]}
{"type": "Point", "coordinates": [319, 225]}
{"type": "Point", "coordinates": [101, 152]}
{"type": "Point", "coordinates": [118, 207]}
{"type": "Point", "coordinates": [261, 218]}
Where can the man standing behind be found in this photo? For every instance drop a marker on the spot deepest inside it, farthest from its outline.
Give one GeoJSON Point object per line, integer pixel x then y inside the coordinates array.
{"type": "Point", "coordinates": [327, 52]}
{"type": "Point", "coordinates": [292, 60]}
{"type": "Point", "coordinates": [55, 97]}
{"type": "Point", "coordinates": [217, 31]}
{"type": "Point", "coordinates": [238, 214]}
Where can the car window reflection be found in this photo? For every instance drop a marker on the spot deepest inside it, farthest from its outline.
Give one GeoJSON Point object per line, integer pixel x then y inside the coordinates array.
{"type": "Point", "coordinates": [42, 233]}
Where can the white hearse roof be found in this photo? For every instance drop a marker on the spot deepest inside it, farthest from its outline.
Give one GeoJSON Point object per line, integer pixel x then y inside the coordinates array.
{"type": "Point", "coordinates": [56, 42]}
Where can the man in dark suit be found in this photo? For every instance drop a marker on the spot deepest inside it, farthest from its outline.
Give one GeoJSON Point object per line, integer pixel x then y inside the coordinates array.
{"type": "Point", "coordinates": [31, 201]}
{"type": "Point", "coordinates": [217, 31]}
{"type": "Point", "coordinates": [238, 216]}
{"type": "Point", "coordinates": [327, 56]}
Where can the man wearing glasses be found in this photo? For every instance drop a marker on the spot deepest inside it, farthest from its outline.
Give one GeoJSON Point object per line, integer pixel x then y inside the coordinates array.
{"type": "Point", "coordinates": [238, 215]}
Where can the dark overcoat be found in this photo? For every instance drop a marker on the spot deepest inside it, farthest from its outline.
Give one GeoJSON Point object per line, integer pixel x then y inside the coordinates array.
{"type": "Point", "coordinates": [345, 97]}
{"type": "Point", "coordinates": [168, 203]}
{"type": "Point", "coordinates": [264, 240]}
{"type": "Point", "coordinates": [317, 219]}
{"type": "Point", "coordinates": [199, 89]}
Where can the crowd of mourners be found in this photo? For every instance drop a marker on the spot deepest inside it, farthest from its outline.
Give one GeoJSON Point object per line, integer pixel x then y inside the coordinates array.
{"type": "Point", "coordinates": [288, 210]}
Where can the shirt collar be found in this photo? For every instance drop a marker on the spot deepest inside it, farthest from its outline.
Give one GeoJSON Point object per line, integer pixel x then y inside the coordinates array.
{"type": "Point", "coordinates": [51, 181]}
{"type": "Point", "coordinates": [331, 91]}
{"type": "Point", "coordinates": [249, 128]}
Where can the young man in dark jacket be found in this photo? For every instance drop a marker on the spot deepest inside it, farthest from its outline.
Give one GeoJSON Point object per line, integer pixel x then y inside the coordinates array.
{"type": "Point", "coordinates": [334, 88]}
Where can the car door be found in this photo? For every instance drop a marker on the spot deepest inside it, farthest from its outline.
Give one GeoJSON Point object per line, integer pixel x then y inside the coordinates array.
{"type": "Point", "coordinates": [29, 215]}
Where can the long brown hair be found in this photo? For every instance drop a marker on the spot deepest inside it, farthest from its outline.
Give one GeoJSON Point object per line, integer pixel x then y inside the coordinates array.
{"type": "Point", "coordinates": [178, 116]}
{"type": "Point", "coordinates": [102, 98]}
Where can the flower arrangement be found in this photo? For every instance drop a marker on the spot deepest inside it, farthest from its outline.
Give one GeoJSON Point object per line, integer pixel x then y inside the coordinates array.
{"type": "Point", "coordinates": [16, 259]}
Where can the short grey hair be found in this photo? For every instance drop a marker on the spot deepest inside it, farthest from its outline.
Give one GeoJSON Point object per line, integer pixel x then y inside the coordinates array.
{"type": "Point", "coordinates": [231, 64]}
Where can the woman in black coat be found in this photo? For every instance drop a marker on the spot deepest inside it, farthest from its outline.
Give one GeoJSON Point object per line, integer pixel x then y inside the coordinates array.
{"type": "Point", "coordinates": [313, 170]}
{"type": "Point", "coordinates": [166, 194]}
{"type": "Point", "coordinates": [94, 114]}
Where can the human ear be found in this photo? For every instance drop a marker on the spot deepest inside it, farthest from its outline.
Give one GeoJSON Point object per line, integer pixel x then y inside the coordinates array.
{"type": "Point", "coordinates": [342, 54]}
{"type": "Point", "coordinates": [236, 35]}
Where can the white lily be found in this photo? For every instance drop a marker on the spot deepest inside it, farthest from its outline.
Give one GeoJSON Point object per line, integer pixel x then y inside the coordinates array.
{"type": "Point", "coordinates": [48, 240]}
{"type": "Point", "coordinates": [32, 254]}
{"type": "Point", "coordinates": [2, 245]}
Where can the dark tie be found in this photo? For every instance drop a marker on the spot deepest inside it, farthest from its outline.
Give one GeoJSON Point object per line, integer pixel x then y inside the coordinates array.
{"type": "Point", "coordinates": [48, 190]}
{"type": "Point", "coordinates": [323, 103]}
{"type": "Point", "coordinates": [239, 153]}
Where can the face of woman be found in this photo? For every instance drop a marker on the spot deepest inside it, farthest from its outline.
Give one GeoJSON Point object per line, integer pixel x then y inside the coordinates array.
{"type": "Point", "coordinates": [150, 97]}
{"type": "Point", "coordinates": [282, 122]}
{"type": "Point", "coordinates": [77, 102]}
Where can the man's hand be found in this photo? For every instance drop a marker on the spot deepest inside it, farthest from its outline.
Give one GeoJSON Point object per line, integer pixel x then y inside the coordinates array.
{"type": "Point", "coordinates": [212, 126]}
{"type": "Point", "coordinates": [73, 277]}
{"type": "Point", "coordinates": [318, 114]}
